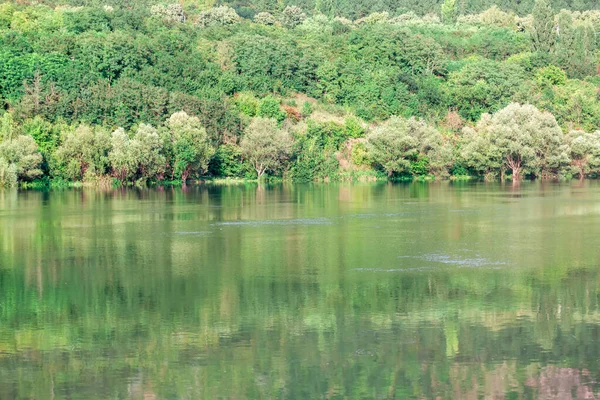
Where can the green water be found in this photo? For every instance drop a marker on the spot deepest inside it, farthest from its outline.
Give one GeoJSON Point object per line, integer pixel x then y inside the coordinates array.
{"type": "Point", "coordinates": [301, 292]}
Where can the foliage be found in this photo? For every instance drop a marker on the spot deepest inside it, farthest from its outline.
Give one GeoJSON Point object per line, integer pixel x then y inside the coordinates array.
{"type": "Point", "coordinates": [585, 152]}
{"type": "Point", "coordinates": [191, 149]}
{"type": "Point", "coordinates": [218, 16]}
{"type": "Point", "coordinates": [265, 146]}
{"type": "Point", "coordinates": [550, 75]}
{"type": "Point", "coordinates": [292, 16]}
{"type": "Point", "coordinates": [519, 138]}
{"type": "Point", "coordinates": [393, 145]}
{"type": "Point", "coordinates": [265, 18]}
{"type": "Point", "coordinates": [350, 66]}
{"type": "Point", "coordinates": [19, 160]}
{"type": "Point", "coordinates": [83, 154]}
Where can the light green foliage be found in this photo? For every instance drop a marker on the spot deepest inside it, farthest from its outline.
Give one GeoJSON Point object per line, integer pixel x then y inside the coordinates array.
{"type": "Point", "coordinates": [266, 146]}
{"type": "Point", "coordinates": [432, 147]}
{"type": "Point", "coordinates": [222, 15]}
{"type": "Point", "coordinates": [139, 158]}
{"type": "Point", "coordinates": [393, 144]}
{"type": "Point", "coordinates": [292, 16]}
{"type": "Point", "coordinates": [247, 103]}
{"type": "Point", "coordinates": [550, 75]}
{"type": "Point", "coordinates": [543, 31]}
{"type": "Point", "coordinates": [355, 128]}
{"type": "Point", "coordinates": [307, 109]}
{"type": "Point", "coordinates": [8, 174]}
{"type": "Point", "coordinates": [7, 127]}
{"type": "Point", "coordinates": [171, 12]}
{"type": "Point", "coordinates": [265, 18]}
{"type": "Point", "coordinates": [6, 13]}
{"type": "Point", "coordinates": [374, 18]}
{"type": "Point", "coordinates": [190, 145]}
{"type": "Point", "coordinates": [519, 138]}
{"type": "Point", "coordinates": [449, 13]}
{"type": "Point", "coordinates": [360, 155]}
{"type": "Point", "coordinates": [316, 25]}
{"type": "Point", "coordinates": [269, 107]}
{"type": "Point", "coordinates": [585, 152]}
{"type": "Point", "coordinates": [83, 154]}
{"type": "Point", "coordinates": [19, 160]}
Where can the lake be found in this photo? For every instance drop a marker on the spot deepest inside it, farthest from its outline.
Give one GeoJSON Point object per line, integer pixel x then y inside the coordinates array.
{"type": "Point", "coordinates": [354, 291]}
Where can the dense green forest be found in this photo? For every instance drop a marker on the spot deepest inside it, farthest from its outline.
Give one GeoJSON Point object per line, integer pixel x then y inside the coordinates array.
{"type": "Point", "coordinates": [139, 92]}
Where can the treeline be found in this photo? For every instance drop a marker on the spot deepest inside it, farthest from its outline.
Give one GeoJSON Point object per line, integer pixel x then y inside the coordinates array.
{"type": "Point", "coordinates": [165, 92]}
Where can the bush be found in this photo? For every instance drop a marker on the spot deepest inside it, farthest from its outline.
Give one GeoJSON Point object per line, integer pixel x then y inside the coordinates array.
{"type": "Point", "coordinates": [292, 16]}
{"type": "Point", "coordinates": [222, 15]}
{"type": "Point", "coordinates": [264, 18]}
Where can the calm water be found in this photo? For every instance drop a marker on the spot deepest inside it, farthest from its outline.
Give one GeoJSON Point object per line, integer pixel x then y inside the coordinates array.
{"type": "Point", "coordinates": [301, 292]}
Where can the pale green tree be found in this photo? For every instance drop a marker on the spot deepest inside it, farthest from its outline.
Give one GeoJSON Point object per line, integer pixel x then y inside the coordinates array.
{"type": "Point", "coordinates": [19, 160]}
{"type": "Point", "coordinates": [519, 138]}
{"type": "Point", "coordinates": [584, 151]}
{"type": "Point", "coordinates": [392, 145]}
{"type": "Point", "coordinates": [83, 154]}
{"type": "Point", "coordinates": [432, 146]}
{"type": "Point", "coordinates": [121, 157]}
{"type": "Point", "coordinates": [264, 18]}
{"type": "Point", "coordinates": [139, 158]}
{"type": "Point", "coordinates": [292, 16]}
{"type": "Point", "coordinates": [221, 15]}
{"type": "Point", "coordinates": [449, 11]}
{"type": "Point", "coordinates": [266, 146]}
{"type": "Point", "coordinates": [191, 149]}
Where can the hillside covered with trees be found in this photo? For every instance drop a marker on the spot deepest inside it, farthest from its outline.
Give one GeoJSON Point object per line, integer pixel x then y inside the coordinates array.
{"type": "Point", "coordinates": [144, 92]}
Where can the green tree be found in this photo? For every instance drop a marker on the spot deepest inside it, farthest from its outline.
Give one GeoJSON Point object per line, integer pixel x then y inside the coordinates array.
{"type": "Point", "coordinates": [393, 144]}
{"type": "Point", "coordinates": [585, 152]}
{"type": "Point", "coordinates": [543, 30]}
{"type": "Point", "coordinates": [266, 146]}
{"type": "Point", "coordinates": [19, 160]}
{"type": "Point", "coordinates": [83, 154]}
{"type": "Point", "coordinates": [292, 16]}
{"type": "Point", "coordinates": [191, 149]}
{"type": "Point", "coordinates": [449, 11]}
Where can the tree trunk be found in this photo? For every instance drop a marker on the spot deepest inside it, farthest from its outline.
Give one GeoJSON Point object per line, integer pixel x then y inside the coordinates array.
{"type": "Point", "coordinates": [184, 176]}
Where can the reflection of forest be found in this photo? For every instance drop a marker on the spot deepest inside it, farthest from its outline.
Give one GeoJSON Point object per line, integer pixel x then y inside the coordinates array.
{"type": "Point", "coordinates": [301, 292]}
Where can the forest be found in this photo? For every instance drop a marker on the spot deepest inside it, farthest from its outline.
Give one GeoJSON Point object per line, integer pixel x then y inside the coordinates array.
{"type": "Point", "coordinates": [142, 92]}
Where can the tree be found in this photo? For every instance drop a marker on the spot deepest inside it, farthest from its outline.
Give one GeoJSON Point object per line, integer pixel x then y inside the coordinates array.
{"type": "Point", "coordinates": [83, 154]}
{"type": "Point", "coordinates": [191, 149]}
{"type": "Point", "coordinates": [19, 160]}
{"type": "Point", "coordinates": [138, 158]}
{"type": "Point", "coordinates": [543, 32]}
{"type": "Point", "coordinates": [393, 144]}
{"type": "Point", "coordinates": [292, 16]}
{"type": "Point", "coordinates": [222, 15]}
{"type": "Point", "coordinates": [265, 146]}
{"type": "Point", "coordinates": [585, 151]}
{"type": "Point", "coordinates": [265, 18]}
{"type": "Point", "coordinates": [449, 11]}
{"type": "Point", "coordinates": [519, 138]}
{"type": "Point", "coordinates": [436, 151]}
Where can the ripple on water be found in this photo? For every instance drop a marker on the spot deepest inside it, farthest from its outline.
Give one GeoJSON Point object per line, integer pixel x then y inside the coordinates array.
{"type": "Point", "coordinates": [278, 222]}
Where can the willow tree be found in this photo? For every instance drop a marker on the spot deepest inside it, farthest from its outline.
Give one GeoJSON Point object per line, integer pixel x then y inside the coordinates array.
{"type": "Point", "coordinates": [191, 149]}
{"type": "Point", "coordinates": [139, 158]}
{"type": "Point", "coordinates": [519, 138]}
{"type": "Point", "coordinates": [585, 152]}
{"type": "Point", "coordinates": [392, 145]}
{"type": "Point", "coordinates": [19, 160]}
{"type": "Point", "coordinates": [266, 146]}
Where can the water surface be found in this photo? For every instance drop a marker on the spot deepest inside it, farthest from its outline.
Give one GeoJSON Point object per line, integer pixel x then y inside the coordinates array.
{"type": "Point", "coordinates": [301, 291]}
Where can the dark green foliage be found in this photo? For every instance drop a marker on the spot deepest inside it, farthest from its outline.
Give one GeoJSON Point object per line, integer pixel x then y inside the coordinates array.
{"type": "Point", "coordinates": [120, 64]}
